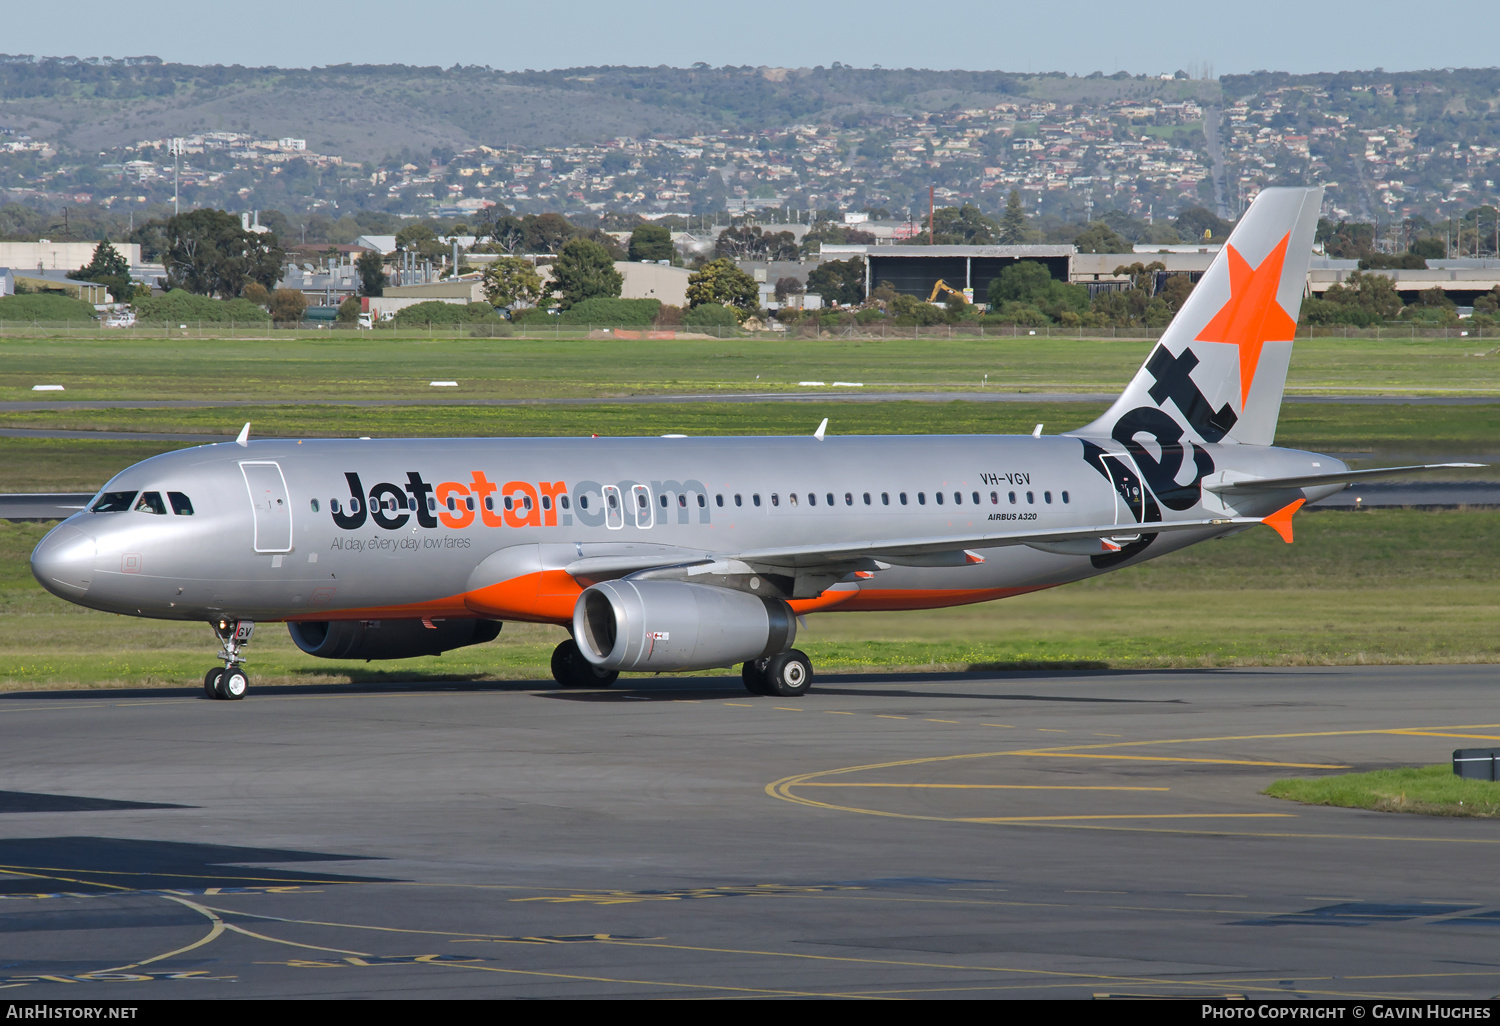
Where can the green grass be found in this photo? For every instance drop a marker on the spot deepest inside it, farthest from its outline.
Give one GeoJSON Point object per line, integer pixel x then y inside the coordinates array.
{"type": "Point", "coordinates": [387, 367]}
{"type": "Point", "coordinates": [1386, 586]}
{"type": "Point", "coordinates": [1428, 790]}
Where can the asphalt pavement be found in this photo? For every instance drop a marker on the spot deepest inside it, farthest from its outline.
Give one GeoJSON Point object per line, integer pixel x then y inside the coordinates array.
{"type": "Point", "coordinates": [1057, 835]}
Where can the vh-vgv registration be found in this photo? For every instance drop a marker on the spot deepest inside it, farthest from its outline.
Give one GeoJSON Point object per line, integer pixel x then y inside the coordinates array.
{"type": "Point", "coordinates": [691, 553]}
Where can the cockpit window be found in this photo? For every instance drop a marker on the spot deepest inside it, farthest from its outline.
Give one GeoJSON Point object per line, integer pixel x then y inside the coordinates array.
{"type": "Point", "coordinates": [183, 506]}
{"type": "Point", "coordinates": [150, 502]}
{"type": "Point", "coordinates": [113, 502]}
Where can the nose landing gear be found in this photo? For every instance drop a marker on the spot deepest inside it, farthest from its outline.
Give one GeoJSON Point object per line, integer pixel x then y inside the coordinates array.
{"type": "Point", "coordinates": [229, 682]}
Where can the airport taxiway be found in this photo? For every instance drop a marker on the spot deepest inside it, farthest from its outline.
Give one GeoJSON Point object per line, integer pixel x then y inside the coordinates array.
{"type": "Point", "coordinates": [1057, 834]}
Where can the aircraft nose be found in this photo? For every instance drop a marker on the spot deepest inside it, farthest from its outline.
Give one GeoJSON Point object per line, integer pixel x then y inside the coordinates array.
{"type": "Point", "coordinates": [63, 562]}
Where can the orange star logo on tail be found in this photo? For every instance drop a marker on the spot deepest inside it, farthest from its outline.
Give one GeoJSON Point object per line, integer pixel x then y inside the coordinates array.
{"type": "Point", "coordinates": [1252, 317]}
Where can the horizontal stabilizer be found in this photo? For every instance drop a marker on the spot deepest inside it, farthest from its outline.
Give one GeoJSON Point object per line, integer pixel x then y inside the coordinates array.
{"type": "Point", "coordinates": [1271, 484]}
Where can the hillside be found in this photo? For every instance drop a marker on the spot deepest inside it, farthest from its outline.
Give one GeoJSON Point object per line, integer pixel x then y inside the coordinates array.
{"type": "Point", "coordinates": [372, 112]}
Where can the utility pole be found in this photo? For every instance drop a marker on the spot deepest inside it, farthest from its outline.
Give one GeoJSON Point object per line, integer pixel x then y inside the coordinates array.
{"type": "Point", "coordinates": [931, 217]}
{"type": "Point", "coordinates": [175, 146]}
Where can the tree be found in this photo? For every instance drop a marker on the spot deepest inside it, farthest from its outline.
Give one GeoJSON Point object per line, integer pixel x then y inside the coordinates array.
{"type": "Point", "coordinates": [582, 271]}
{"type": "Point", "coordinates": [788, 286]}
{"type": "Point", "coordinates": [749, 242]}
{"type": "Point", "coordinates": [208, 253]}
{"type": "Point", "coordinates": [110, 269]}
{"type": "Point", "coordinates": [839, 281]}
{"type": "Point", "coordinates": [372, 277]}
{"type": "Point", "coordinates": [722, 283]}
{"type": "Point", "coordinates": [651, 242]}
{"type": "Point", "coordinates": [1028, 284]}
{"type": "Point", "coordinates": [963, 226]}
{"type": "Point", "coordinates": [1099, 238]}
{"type": "Point", "coordinates": [287, 306]}
{"type": "Point", "coordinates": [1375, 293]}
{"type": "Point", "coordinates": [511, 281]}
{"type": "Point", "coordinates": [1194, 221]}
{"type": "Point", "coordinates": [546, 233]}
{"type": "Point", "coordinates": [349, 310]}
{"type": "Point", "coordinates": [1013, 221]}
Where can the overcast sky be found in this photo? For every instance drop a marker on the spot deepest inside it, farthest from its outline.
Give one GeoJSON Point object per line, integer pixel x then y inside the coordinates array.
{"type": "Point", "coordinates": [1079, 37]}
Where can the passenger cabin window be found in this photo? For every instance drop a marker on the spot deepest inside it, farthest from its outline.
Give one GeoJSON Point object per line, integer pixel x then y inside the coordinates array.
{"type": "Point", "coordinates": [830, 498]}
{"type": "Point", "coordinates": [509, 504]}
{"type": "Point", "coordinates": [921, 498]}
{"type": "Point", "coordinates": [662, 497]}
{"type": "Point", "coordinates": [546, 502]}
{"type": "Point", "coordinates": [994, 498]}
{"type": "Point", "coordinates": [885, 498]}
{"type": "Point", "coordinates": [791, 498]}
{"type": "Point", "coordinates": [849, 499]}
{"type": "Point", "coordinates": [183, 506]}
{"type": "Point", "coordinates": [563, 501]}
{"type": "Point", "coordinates": [775, 499]}
{"type": "Point", "coordinates": [739, 502]}
{"type": "Point", "coordinates": [719, 501]}
{"type": "Point", "coordinates": [452, 504]}
{"type": "Point", "coordinates": [682, 501]}
{"type": "Point", "coordinates": [812, 498]}
{"type": "Point", "coordinates": [903, 498]}
{"type": "Point", "coordinates": [703, 500]}
{"type": "Point", "coordinates": [173, 496]}
{"type": "Point", "coordinates": [976, 498]}
{"type": "Point", "coordinates": [113, 502]}
{"type": "Point", "coordinates": [1030, 497]}
{"type": "Point", "coordinates": [1064, 497]}
{"type": "Point", "coordinates": [333, 504]}
{"type": "Point", "coordinates": [431, 503]}
{"type": "Point", "coordinates": [867, 498]}
{"type": "Point", "coordinates": [1012, 497]}
{"type": "Point", "coordinates": [936, 495]}
{"type": "Point", "coordinates": [583, 502]}
{"type": "Point", "coordinates": [150, 502]}
{"type": "Point", "coordinates": [1047, 497]}
{"type": "Point", "coordinates": [755, 498]}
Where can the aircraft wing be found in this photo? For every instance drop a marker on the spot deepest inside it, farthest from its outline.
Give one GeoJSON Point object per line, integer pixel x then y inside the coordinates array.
{"type": "Point", "coordinates": [1312, 480]}
{"type": "Point", "coordinates": [955, 551]}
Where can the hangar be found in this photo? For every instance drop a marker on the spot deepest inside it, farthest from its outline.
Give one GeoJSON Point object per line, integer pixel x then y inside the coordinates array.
{"type": "Point", "coordinates": [914, 270]}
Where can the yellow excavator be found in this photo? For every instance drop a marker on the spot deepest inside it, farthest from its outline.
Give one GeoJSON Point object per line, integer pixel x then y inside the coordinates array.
{"type": "Point", "coordinates": [943, 286]}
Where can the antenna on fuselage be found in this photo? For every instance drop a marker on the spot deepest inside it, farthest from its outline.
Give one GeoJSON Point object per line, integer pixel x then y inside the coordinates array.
{"type": "Point", "coordinates": [818, 434]}
{"type": "Point", "coordinates": [244, 436]}
{"type": "Point", "coordinates": [1036, 432]}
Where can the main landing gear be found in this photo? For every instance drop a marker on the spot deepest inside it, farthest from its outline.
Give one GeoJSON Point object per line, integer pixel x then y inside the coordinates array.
{"type": "Point", "coordinates": [229, 682]}
{"type": "Point", "coordinates": [572, 670]}
{"type": "Point", "coordinates": [788, 674]}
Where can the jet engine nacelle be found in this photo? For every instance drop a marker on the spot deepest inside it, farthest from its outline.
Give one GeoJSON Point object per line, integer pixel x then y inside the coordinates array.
{"type": "Point", "coordinates": [388, 639]}
{"type": "Point", "coordinates": [669, 625]}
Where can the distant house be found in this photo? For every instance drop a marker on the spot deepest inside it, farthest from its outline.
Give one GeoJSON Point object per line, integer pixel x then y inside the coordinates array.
{"type": "Point", "coordinates": [53, 281]}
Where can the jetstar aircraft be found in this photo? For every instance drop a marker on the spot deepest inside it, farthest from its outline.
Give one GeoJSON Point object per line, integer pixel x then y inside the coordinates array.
{"type": "Point", "coordinates": [679, 553]}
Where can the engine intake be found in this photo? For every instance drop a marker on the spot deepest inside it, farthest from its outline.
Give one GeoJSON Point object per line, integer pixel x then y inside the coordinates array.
{"type": "Point", "coordinates": [388, 639]}
{"type": "Point", "coordinates": [669, 625]}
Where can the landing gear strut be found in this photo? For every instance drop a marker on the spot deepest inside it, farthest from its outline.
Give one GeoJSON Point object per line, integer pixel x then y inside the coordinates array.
{"type": "Point", "coordinates": [229, 682]}
{"type": "Point", "coordinates": [572, 670]}
{"type": "Point", "coordinates": [788, 674]}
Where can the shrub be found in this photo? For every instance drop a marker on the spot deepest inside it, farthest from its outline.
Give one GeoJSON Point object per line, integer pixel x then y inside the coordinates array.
{"type": "Point", "coordinates": [435, 312]}
{"type": "Point", "coordinates": [44, 307]}
{"type": "Point", "coordinates": [711, 315]}
{"type": "Point", "coordinates": [527, 314]}
{"type": "Point", "coordinates": [182, 307]}
{"type": "Point", "coordinates": [669, 316]}
{"type": "Point", "coordinates": [601, 310]}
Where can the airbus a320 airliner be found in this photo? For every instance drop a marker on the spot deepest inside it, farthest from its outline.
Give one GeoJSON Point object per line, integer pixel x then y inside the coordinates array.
{"type": "Point", "coordinates": [682, 553]}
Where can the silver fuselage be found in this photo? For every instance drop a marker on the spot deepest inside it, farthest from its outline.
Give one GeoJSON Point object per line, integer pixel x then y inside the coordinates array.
{"type": "Point", "coordinates": [351, 529]}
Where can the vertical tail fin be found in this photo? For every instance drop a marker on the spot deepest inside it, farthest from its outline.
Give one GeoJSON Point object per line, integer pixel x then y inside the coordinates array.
{"type": "Point", "coordinates": [1219, 371]}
